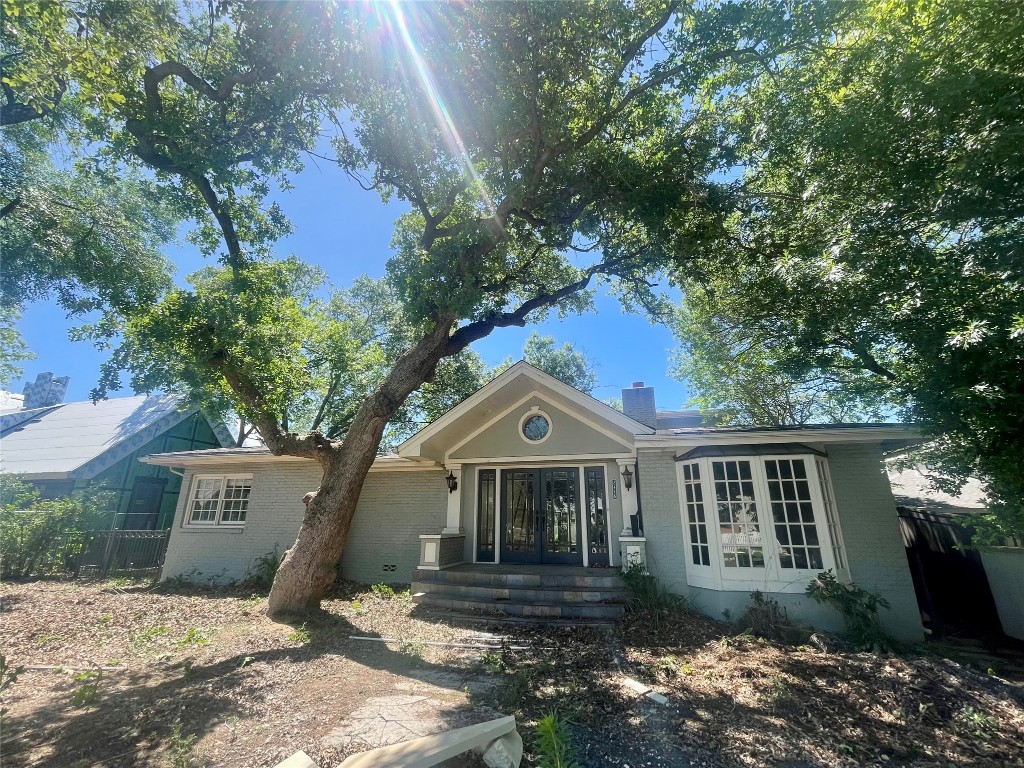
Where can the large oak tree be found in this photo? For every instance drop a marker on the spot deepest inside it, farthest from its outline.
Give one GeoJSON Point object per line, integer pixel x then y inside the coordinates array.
{"type": "Point", "coordinates": [543, 147]}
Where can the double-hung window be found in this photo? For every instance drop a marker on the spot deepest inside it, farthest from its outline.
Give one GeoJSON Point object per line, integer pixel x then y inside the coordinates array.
{"type": "Point", "coordinates": [218, 500]}
{"type": "Point", "coordinates": [758, 522]}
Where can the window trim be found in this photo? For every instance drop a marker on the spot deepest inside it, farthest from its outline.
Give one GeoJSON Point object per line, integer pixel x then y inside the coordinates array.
{"type": "Point", "coordinates": [535, 411]}
{"type": "Point", "coordinates": [218, 521]}
{"type": "Point", "coordinates": [773, 577]}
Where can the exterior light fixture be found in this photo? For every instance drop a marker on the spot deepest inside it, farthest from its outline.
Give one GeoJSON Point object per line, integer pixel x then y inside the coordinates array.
{"type": "Point", "coordinates": [453, 482]}
{"type": "Point", "coordinates": [627, 478]}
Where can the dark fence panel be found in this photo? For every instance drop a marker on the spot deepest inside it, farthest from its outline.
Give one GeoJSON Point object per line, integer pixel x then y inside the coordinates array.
{"type": "Point", "coordinates": [949, 578]}
{"type": "Point", "coordinates": [123, 553]}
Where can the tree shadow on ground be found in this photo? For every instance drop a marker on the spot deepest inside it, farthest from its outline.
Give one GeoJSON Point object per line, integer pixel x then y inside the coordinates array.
{"type": "Point", "coordinates": [132, 716]}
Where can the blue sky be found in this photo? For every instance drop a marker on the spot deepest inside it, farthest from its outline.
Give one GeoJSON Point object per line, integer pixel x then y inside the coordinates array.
{"type": "Point", "coordinates": [347, 231]}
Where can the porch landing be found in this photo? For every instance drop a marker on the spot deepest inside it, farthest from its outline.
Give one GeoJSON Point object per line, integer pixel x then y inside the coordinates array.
{"type": "Point", "coordinates": [528, 591]}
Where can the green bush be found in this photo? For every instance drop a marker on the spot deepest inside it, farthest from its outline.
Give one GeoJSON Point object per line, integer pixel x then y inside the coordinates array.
{"type": "Point", "coordinates": [859, 609]}
{"type": "Point", "coordinates": [263, 570]}
{"type": "Point", "coordinates": [383, 591]}
{"type": "Point", "coordinates": [45, 537]}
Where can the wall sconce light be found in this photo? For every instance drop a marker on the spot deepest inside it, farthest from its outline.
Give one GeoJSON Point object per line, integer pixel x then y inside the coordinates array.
{"type": "Point", "coordinates": [627, 478]}
{"type": "Point", "coordinates": [453, 482]}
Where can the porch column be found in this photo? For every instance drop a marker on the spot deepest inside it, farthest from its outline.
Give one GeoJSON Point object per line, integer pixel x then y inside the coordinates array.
{"type": "Point", "coordinates": [453, 521]}
{"type": "Point", "coordinates": [629, 501]}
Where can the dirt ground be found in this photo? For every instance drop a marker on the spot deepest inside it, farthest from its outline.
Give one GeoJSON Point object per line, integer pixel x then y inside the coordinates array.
{"type": "Point", "coordinates": [117, 675]}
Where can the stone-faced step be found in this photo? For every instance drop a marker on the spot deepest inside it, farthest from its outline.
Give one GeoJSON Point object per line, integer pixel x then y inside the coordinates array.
{"type": "Point", "coordinates": [523, 594]}
{"type": "Point", "coordinates": [607, 579]}
{"type": "Point", "coordinates": [526, 610]}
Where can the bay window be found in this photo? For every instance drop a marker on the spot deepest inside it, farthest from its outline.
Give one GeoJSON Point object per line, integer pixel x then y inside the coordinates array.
{"type": "Point", "coordinates": [764, 522]}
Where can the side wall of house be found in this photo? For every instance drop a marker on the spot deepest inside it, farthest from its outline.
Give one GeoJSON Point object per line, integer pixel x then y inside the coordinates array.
{"type": "Point", "coordinates": [869, 524]}
{"type": "Point", "coordinates": [871, 533]}
{"type": "Point", "coordinates": [383, 544]}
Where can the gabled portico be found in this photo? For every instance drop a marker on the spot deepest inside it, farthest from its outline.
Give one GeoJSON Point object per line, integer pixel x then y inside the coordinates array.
{"type": "Point", "coordinates": [534, 470]}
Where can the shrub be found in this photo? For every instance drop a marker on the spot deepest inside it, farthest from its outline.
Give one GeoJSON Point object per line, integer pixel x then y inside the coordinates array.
{"type": "Point", "coordinates": [647, 594]}
{"type": "Point", "coordinates": [859, 609]}
{"type": "Point", "coordinates": [383, 591]}
{"type": "Point", "coordinates": [180, 748]}
{"type": "Point", "coordinates": [767, 619]}
{"type": "Point", "coordinates": [87, 689]}
{"type": "Point", "coordinates": [46, 537]}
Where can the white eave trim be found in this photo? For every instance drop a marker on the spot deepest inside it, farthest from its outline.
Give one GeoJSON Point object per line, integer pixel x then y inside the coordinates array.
{"type": "Point", "coordinates": [585, 402]}
{"type": "Point", "coordinates": [383, 464]}
{"type": "Point", "coordinates": [854, 435]}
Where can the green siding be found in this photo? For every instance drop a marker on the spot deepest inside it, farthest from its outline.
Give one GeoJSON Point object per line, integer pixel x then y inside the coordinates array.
{"type": "Point", "coordinates": [194, 433]}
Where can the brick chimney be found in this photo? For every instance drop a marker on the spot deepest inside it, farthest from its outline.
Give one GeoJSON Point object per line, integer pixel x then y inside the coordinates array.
{"type": "Point", "coordinates": [638, 403]}
{"type": "Point", "coordinates": [45, 391]}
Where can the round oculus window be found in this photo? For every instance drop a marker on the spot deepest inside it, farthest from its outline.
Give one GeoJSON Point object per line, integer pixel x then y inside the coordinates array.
{"type": "Point", "coordinates": [536, 427]}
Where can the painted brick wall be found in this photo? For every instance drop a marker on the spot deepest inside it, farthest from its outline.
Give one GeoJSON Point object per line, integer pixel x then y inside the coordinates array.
{"type": "Point", "coordinates": [663, 527]}
{"type": "Point", "coordinates": [394, 509]}
{"type": "Point", "coordinates": [871, 532]}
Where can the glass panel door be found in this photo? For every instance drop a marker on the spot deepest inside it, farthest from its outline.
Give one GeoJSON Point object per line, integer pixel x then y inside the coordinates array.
{"type": "Point", "coordinates": [561, 519]}
{"type": "Point", "coordinates": [519, 542]}
{"type": "Point", "coordinates": [540, 516]}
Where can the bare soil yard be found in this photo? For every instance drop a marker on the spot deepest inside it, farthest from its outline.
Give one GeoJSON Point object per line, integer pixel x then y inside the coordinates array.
{"type": "Point", "coordinates": [118, 676]}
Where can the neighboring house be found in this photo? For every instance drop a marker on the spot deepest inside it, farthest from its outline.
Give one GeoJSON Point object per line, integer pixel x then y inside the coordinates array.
{"type": "Point", "coordinates": [958, 586]}
{"type": "Point", "coordinates": [529, 472]}
{"type": "Point", "coordinates": [64, 447]}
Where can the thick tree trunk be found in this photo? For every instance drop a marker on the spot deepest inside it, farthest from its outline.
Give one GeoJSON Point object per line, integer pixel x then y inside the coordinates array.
{"type": "Point", "coordinates": [310, 566]}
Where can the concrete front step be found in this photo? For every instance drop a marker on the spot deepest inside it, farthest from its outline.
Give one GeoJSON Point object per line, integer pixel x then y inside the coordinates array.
{"type": "Point", "coordinates": [534, 610]}
{"type": "Point", "coordinates": [523, 594]}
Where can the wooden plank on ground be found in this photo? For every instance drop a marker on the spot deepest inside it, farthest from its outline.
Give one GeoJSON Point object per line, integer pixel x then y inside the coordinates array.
{"type": "Point", "coordinates": [428, 751]}
{"type": "Point", "coordinates": [299, 760]}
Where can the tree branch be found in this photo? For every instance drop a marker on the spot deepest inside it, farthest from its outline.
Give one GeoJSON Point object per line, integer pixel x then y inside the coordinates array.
{"type": "Point", "coordinates": [156, 75]}
{"type": "Point", "coordinates": [8, 209]}
{"type": "Point", "coordinates": [14, 112]}
{"type": "Point", "coordinates": [479, 329]}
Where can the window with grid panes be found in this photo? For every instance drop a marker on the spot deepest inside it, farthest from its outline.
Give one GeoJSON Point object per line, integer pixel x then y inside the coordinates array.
{"type": "Point", "coordinates": [763, 522]}
{"type": "Point", "coordinates": [796, 535]}
{"type": "Point", "coordinates": [693, 493]}
{"type": "Point", "coordinates": [740, 529]}
{"type": "Point", "coordinates": [219, 500]}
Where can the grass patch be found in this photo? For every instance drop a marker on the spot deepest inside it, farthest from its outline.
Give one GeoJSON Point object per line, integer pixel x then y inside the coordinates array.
{"type": "Point", "coordinates": [300, 635]}
{"type": "Point", "coordinates": [87, 688]}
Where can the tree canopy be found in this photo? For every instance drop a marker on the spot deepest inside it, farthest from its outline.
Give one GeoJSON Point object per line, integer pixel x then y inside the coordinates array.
{"type": "Point", "coordinates": [544, 149]}
{"type": "Point", "coordinates": [880, 255]}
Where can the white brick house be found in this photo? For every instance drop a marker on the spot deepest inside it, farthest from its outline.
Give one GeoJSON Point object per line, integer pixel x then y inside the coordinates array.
{"type": "Point", "coordinates": [529, 471]}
